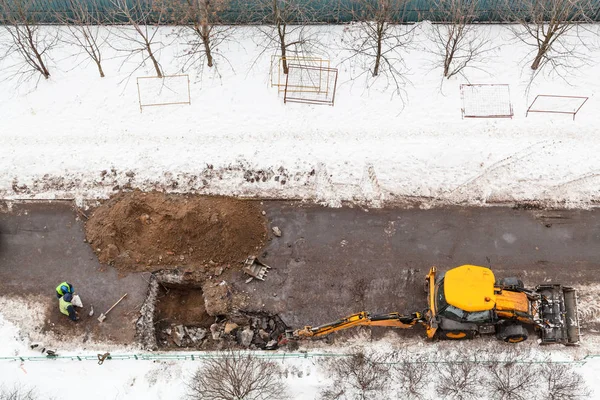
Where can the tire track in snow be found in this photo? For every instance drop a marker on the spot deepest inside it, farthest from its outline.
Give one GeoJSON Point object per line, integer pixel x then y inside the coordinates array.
{"type": "Point", "coordinates": [468, 186]}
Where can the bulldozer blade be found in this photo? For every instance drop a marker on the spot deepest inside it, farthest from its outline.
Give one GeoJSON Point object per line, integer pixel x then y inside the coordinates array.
{"type": "Point", "coordinates": [571, 310]}
{"type": "Point", "coordinates": [558, 314]}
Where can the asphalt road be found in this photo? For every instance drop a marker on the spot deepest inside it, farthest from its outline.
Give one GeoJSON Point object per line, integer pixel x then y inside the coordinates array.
{"type": "Point", "coordinates": [332, 262]}
{"type": "Point", "coordinates": [328, 262]}
{"type": "Point", "coordinates": [41, 245]}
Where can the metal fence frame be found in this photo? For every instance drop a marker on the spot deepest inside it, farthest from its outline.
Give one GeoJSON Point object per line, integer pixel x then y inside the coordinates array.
{"type": "Point", "coordinates": [462, 109]}
{"type": "Point", "coordinates": [556, 112]}
{"type": "Point", "coordinates": [206, 355]}
{"type": "Point", "coordinates": [292, 99]}
{"type": "Point", "coordinates": [162, 104]}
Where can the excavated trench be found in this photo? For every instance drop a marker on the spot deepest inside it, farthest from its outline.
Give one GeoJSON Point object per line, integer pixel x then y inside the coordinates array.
{"type": "Point", "coordinates": [186, 311]}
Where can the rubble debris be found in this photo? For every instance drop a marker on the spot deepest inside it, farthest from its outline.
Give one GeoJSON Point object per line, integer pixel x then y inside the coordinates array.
{"type": "Point", "coordinates": [245, 337]}
{"type": "Point", "coordinates": [272, 345]}
{"type": "Point", "coordinates": [221, 299]}
{"type": "Point", "coordinates": [178, 335]}
{"type": "Point", "coordinates": [199, 335]}
{"type": "Point", "coordinates": [178, 314]}
{"type": "Point", "coordinates": [145, 328]}
{"type": "Point", "coordinates": [264, 335]}
{"type": "Point", "coordinates": [215, 331]}
{"type": "Point", "coordinates": [276, 231]}
{"type": "Point", "coordinates": [230, 327]}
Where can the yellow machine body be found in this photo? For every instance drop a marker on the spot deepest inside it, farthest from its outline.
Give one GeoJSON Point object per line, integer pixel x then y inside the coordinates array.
{"type": "Point", "coordinates": [470, 288]}
{"type": "Point", "coordinates": [467, 300]}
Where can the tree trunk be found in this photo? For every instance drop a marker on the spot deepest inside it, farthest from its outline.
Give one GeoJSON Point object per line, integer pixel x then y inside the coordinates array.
{"type": "Point", "coordinates": [538, 58]}
{"type": "Point", "coordinates": [283, 55]}
{"type": "Point", "coordinates": [450, 50]}
{"type": "Point", "coordinates": [156, 66]}
{"type": "Point", "coordinates": [542, 50]}
{"type": "Point", "coordinates": [280, 25]}
{"type": "Point", "coordinates": [447, 62]}
{"type": "Point", "coordinates": [100, 69]}
{"type": "Point", "coordinates": [202, 27]}
{"type": "Point", "coordinates": [379, 44]}
{"type": "Point", "coordinates": [206, 42]}
{"type": "Point", "coordinates": [44, 70]}
{"type": "Point", "coordinates": [40, 62]}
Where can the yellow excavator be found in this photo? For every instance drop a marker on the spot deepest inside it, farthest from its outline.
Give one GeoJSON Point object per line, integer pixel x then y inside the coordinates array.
{"type": "Point", "coordinates": [468, 301]}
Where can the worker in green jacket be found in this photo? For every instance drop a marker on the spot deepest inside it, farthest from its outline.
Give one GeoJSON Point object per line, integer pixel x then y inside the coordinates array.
{"type": "Point", "coordinates": [63, 289]}
{"type": "Point", "coordinates": [65, 306]}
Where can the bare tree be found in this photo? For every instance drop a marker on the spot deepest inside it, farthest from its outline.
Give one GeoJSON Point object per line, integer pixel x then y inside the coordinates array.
{"type": "Point", "coordinates": [85, 29]}
{"type": "Point", "coordinates": [549, 28]}
{"type": "Point", "coordinates": [285, 28]}
{"type": "Point", "coordinates": [359, 376]}
{"type": "Point", "coordinates": [562, 383]}
{"type": "Point", "coordinates": [236, 376]}
{"type": "Point", "coordinates": [376, 41]}
{"type": "Point", "coordinates": [143, 22]}
{"type": "Point", "coordinates": [412, 374]}
{"type": "Point", "coordinates": [513, 380]}
{"type": "Point", "coordinates": [201, 27]}
{"type": "Point", "coordinates": [458, 379]}
{"type": "Point", "coordinates": [458, 42]}
{"type": "Point", "coordinates": [27, 39]}
{"type": "Point", "coordinates": [18, 393]}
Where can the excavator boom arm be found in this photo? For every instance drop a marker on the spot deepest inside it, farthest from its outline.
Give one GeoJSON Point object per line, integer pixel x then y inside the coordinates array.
{"type": "Point", "coordinates": [362, 318]}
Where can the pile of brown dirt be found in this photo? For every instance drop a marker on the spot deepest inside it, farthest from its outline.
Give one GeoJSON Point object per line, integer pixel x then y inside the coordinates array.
{"type": "Point", "coordinates": [139, 231]}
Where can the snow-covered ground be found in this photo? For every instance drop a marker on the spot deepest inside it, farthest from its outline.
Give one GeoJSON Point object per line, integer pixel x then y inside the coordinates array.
{"type": "Point", "coordinates": [79, 136]}
{"type": "Point", "coordinates": [304, 374]}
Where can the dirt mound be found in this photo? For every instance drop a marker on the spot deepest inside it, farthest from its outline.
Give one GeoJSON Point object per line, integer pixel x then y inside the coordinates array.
{"type": "Point", "coordinates": [139, 231]}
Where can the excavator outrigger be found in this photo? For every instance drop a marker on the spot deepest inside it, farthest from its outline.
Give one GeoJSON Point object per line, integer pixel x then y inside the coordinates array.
{"type": "Point", "coordinates": [468, 301]}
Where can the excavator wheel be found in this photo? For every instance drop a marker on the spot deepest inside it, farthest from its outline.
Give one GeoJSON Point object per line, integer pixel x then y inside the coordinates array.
{"type": "Point", "coordinates": [512, 333]}
{"type": "Point", "coordinates": [456, 335]}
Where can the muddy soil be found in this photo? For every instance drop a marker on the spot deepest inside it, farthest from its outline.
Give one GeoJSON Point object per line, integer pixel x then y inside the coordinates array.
{"type": "Point", "coordinates": [139, 231]}
{"type": "Point", "coordinates": [178, 306]}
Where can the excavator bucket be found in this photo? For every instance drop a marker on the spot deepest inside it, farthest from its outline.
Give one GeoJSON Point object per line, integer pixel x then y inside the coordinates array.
{"type": "Point", "coordinates": [255, 268]}
{"type": "Point", "coordinates": [558, 314]}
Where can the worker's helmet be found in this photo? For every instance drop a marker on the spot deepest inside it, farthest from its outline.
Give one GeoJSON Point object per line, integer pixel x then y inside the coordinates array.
{"type": "Point", "coordinates": [65, 289]}
{"type": "Point", "coordinates": [68, 297]}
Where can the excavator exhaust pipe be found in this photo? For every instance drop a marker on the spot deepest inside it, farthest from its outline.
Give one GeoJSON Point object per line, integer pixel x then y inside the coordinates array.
{"type": "Point", "coordinates": [558, 314]}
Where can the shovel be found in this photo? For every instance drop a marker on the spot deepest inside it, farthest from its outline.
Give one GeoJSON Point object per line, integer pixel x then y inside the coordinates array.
{"type": "Point", "coordinates": [102, 316]}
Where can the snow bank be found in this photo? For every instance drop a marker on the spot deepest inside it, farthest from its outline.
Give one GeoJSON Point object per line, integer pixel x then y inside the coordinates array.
{"type": "Point", "coordinates": [81, 136]}
{"type": "Point", "coordinates": [305, 376]}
